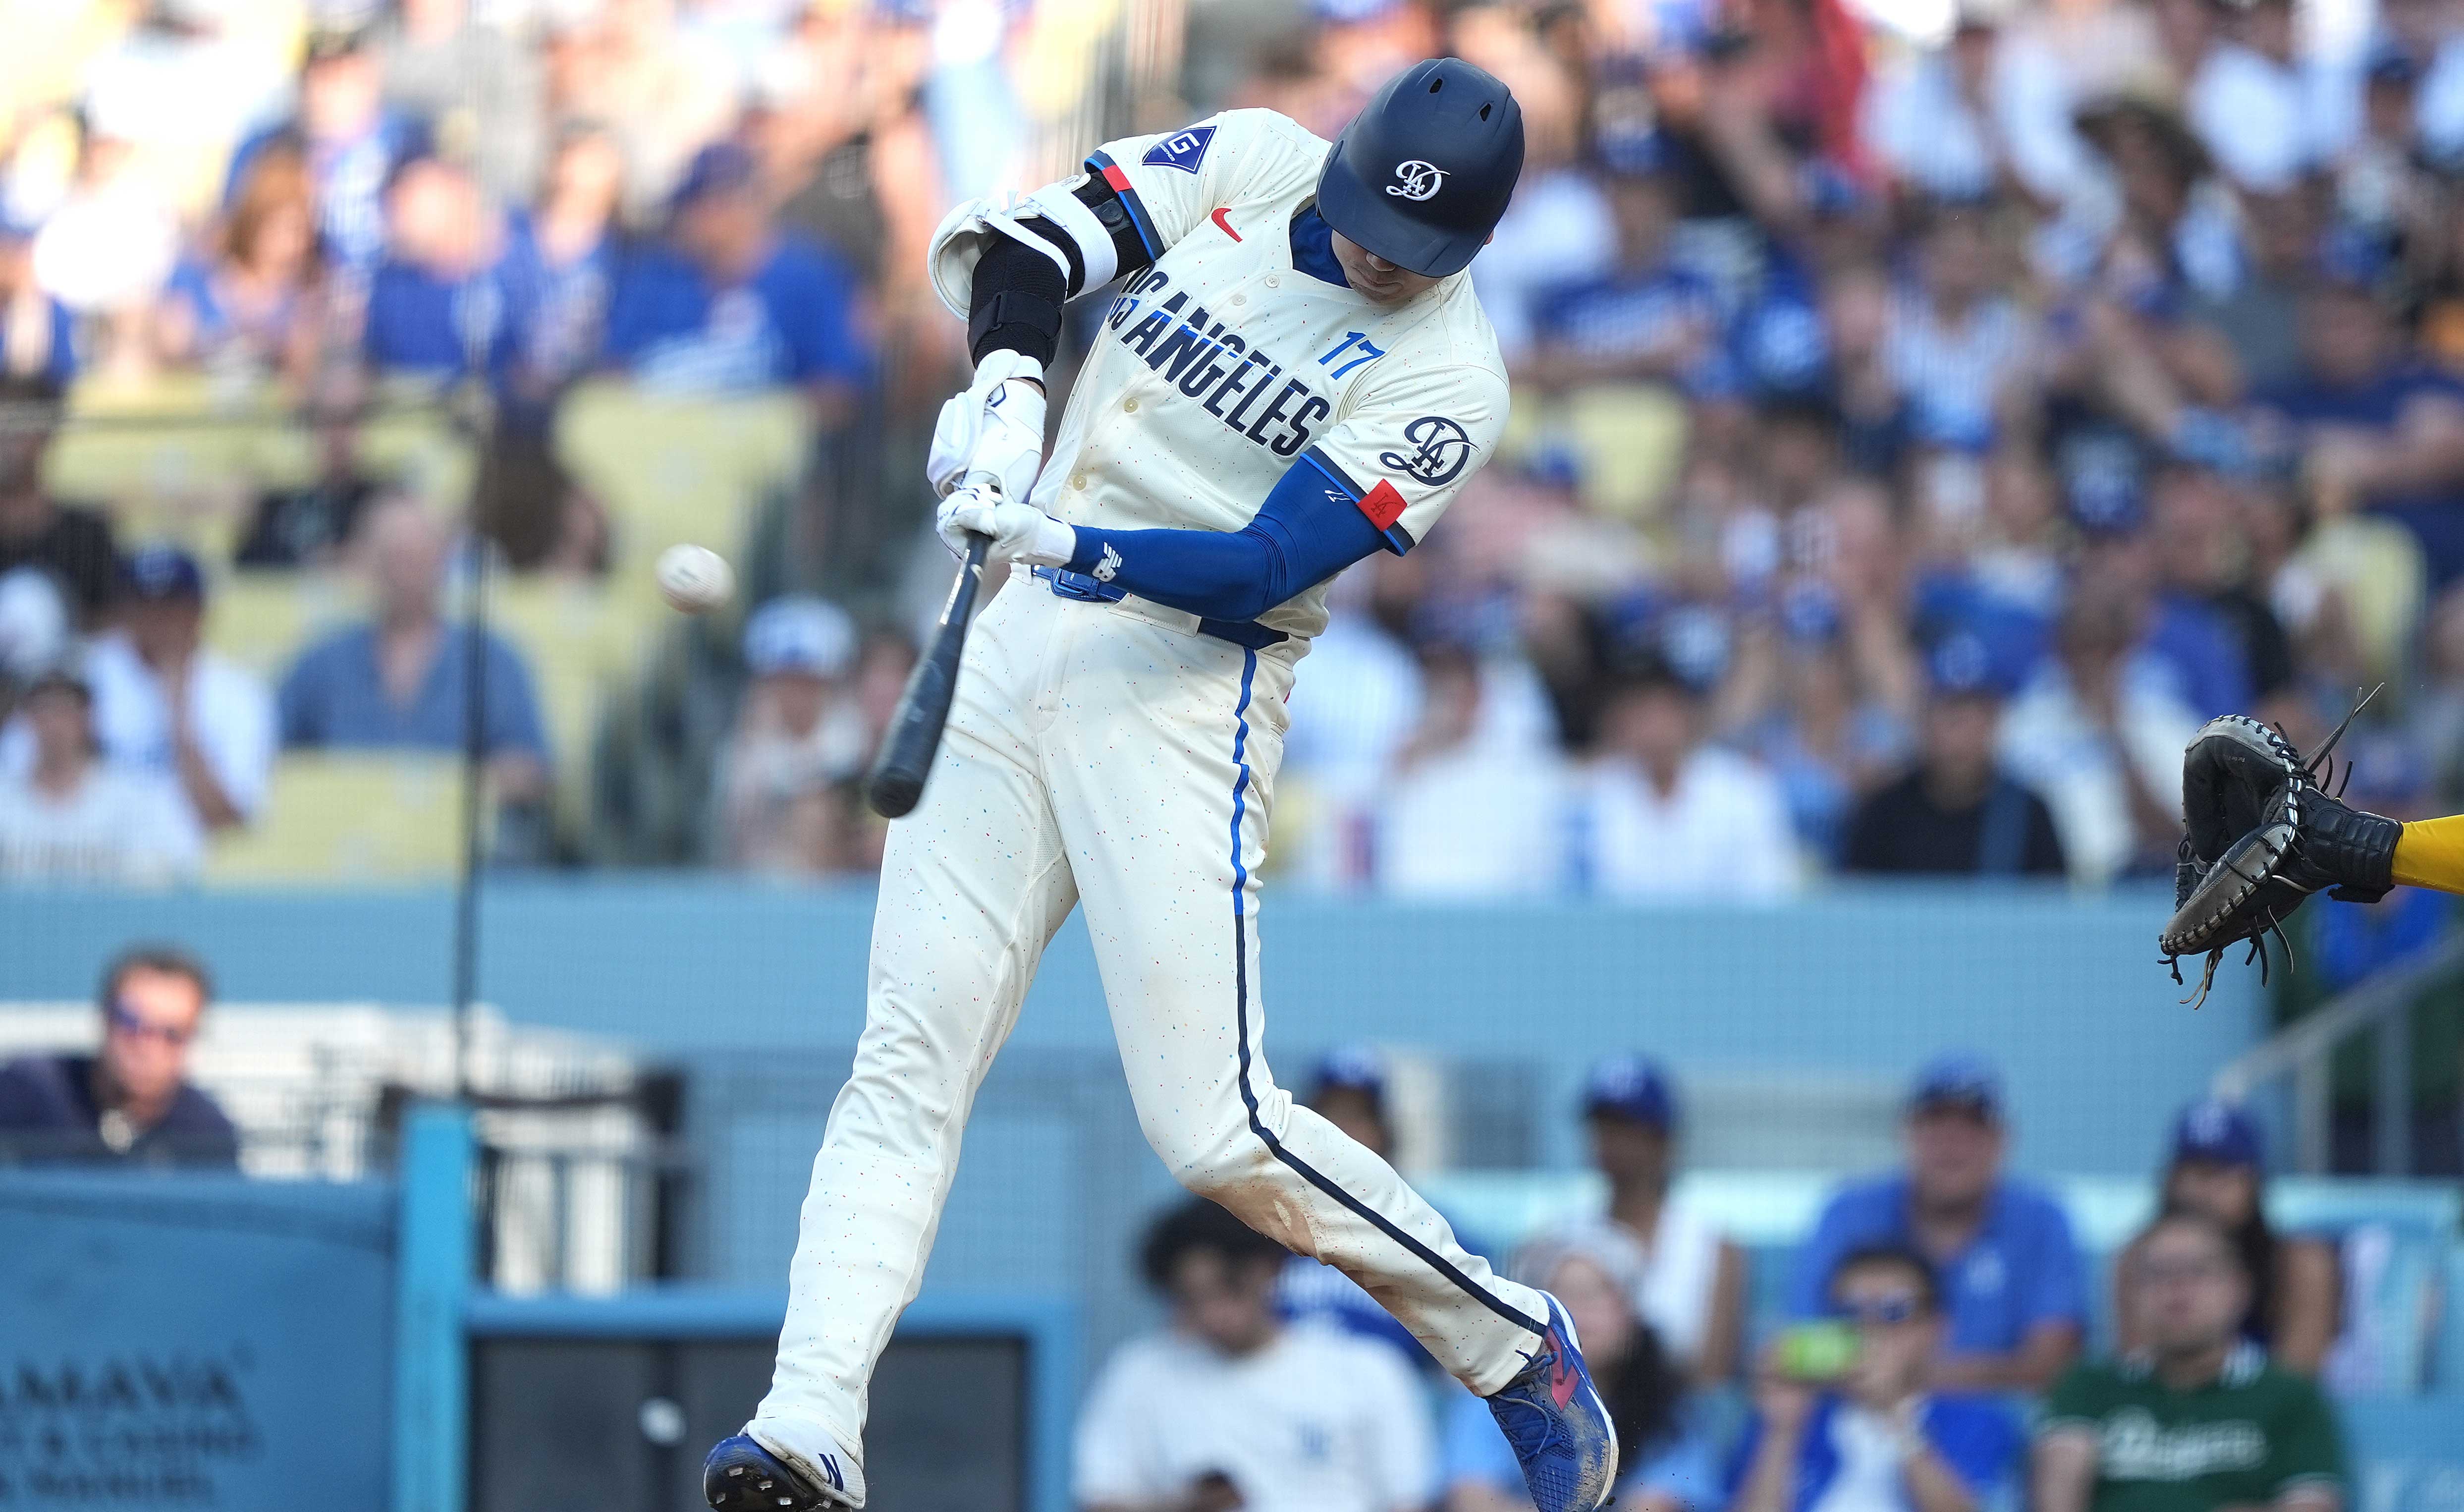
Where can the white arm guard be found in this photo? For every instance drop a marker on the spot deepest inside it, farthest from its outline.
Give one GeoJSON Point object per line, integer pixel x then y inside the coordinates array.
{"type": "Point", "coordinates": [961, 240]}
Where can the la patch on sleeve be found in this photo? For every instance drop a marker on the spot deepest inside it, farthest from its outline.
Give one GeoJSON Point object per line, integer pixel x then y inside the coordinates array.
{"type": "Point", "coordinates": [1183, 149]}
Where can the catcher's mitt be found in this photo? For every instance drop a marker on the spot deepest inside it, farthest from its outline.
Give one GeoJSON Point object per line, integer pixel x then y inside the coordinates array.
{"type": "Point", "coordinates": [2263, 835]}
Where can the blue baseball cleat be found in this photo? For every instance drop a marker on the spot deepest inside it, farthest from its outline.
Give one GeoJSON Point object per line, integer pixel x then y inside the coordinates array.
{"type": "Point", "coordinates": [1557, 1424]}
{"type": "Point", "coordinates": [741, 1475]}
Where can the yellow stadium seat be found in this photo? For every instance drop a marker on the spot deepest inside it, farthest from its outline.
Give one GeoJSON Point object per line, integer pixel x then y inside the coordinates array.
{"type": "Point", "coordinates": [263, 620]}
{"type": "Point", "coordinates": [580, 642]}
{"type": "Point", "coordinates": [350, 817]}
{"type": "Point", "coordinates": [679, 469]}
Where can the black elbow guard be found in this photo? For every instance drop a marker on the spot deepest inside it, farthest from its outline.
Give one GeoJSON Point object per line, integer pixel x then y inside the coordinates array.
{"type": "Point", "coordinates": [1016, 302]}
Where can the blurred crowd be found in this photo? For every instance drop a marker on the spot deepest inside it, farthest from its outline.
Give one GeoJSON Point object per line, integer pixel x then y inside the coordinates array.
{"type": "Point", "coordinates": [1936, 1345]}
{"type": "Point", "coordinates": [1925, 414]}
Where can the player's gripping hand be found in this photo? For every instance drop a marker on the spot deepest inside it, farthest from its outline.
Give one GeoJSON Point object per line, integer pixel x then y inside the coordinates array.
{"type": "Point", "coordinates": [1020, 532]}
{"type": "Point", "coordinates": [995, 426]}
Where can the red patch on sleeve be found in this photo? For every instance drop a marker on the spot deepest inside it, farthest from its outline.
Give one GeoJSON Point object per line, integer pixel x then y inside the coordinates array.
{"type": "Point", "coordinates": [1383, 506]}
{"type": "Point", "coordinates": [1120, 180]}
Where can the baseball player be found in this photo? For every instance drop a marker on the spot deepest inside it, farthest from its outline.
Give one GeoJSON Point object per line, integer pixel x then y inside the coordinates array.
{"type": "Point", "coordinates": [1293, 374]}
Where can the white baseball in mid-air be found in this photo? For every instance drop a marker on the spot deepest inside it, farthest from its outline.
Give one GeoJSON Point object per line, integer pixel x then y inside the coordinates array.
{"type": "Point", "coordinates": [693, 578]}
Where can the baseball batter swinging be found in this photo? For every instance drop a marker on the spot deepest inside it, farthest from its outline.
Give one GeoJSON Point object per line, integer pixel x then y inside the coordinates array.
{"type": "Point", "coordinates": [1294, 373]}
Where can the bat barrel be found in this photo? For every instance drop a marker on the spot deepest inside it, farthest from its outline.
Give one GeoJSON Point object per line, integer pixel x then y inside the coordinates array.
{"type": "Point", "coordinates": [896, 785]}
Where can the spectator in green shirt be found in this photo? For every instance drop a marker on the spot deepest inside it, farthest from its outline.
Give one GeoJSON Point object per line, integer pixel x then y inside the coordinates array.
{"type": "Point", "coordinates": [2198, 1420]}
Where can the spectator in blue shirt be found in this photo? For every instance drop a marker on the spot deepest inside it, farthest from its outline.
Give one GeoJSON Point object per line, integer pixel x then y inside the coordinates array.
{"type": "Point", "coordinates": [560, 268]}
{"type": "Point", "coordinates": [131, 1101]}
{"type": "Point", "coordinates": [351, 142]}
{"type": "Point", "coordinates": [2375, 429]}
{"type": "Point", "coordinates": [1648, 317]}
{"type": "Point", "coordinates": [436, 305]}
{"type": "Point", "coordinates": [399, 680]}
{"type": "Point", "coordinates": [731, 304]}
{"type": "Point", "coordinates": [2015, 1300]}
{"type": "Point", "coordinates": [1864, 1434]}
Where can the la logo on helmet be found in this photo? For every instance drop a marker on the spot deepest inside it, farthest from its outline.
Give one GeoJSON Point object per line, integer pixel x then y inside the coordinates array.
{"type": "Point", "coordinates": [1417, 180]}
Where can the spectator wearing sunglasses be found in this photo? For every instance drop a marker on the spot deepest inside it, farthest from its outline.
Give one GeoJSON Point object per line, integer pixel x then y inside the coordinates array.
{"type": "Point", "coordinates": [1844, 1421]}
{"type": "Point", "coordinates": [131, 1102]}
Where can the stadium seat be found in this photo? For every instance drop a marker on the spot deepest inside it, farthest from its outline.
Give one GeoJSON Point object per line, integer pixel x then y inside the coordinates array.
{"type": "Point", "coordinates": [671, 470]}
{"type": "Point", "coordinates": [580, 642]}
{"type": "Point", "coordinates": [263, 620]}
{"type": "Point", "coordinates": [350, 817]}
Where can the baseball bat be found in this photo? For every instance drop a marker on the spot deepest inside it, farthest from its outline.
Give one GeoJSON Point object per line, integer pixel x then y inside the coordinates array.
{"type": "Point", "coordinates": [897, 782]}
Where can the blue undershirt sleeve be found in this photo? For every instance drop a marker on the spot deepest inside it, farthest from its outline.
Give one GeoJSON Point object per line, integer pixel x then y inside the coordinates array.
{"type": "Point", "coordinates": [1310, 527]}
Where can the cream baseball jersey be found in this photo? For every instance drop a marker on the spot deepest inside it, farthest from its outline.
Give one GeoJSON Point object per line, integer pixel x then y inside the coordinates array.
{"type": "Point", "coordinates": [1221, 366]}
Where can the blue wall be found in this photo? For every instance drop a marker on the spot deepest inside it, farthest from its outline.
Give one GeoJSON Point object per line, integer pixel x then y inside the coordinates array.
{"type": "Point", "coordinates": [2065, 991]}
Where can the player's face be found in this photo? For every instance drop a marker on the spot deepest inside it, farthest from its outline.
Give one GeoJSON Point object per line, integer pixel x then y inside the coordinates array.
{"type": "Point", "coordinates": [1374, 277]}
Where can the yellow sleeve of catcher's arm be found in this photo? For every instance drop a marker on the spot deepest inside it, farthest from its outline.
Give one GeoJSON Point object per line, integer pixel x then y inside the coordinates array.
{"type": "Point", "coordinates": [2429, 853]}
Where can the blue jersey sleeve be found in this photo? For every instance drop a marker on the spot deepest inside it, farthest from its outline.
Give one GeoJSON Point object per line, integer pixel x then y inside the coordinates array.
{"type": "Point", "coordinates": [1311, 527]}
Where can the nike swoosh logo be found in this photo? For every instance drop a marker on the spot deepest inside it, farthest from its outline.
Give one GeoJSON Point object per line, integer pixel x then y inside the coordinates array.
{"type": "Point", "coordinates": [1222, 225]}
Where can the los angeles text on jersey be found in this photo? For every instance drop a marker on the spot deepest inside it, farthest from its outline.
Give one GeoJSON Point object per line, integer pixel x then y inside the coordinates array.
{"type": "Point", "coordinates": [1217, 366]}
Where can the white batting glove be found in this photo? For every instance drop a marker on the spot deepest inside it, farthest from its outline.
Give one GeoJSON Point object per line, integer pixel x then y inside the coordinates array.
{"type": "Point", "coordinates": [996, 427]}
{"type": "Point", "coordinates": [1020, 532]}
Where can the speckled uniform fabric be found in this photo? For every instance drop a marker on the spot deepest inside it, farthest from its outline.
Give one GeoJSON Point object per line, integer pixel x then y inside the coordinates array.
{"type": "Point", "coordinates": [1106, 755]}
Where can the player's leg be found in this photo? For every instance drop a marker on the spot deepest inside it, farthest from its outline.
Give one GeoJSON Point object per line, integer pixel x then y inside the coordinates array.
{"type": "Point", "coordinates": [1176, 739]}
{"type": "Point", "coordinates": [973, 885]}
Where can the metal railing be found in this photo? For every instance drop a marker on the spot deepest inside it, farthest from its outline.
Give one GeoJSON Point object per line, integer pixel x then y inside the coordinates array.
{"type": "Point", "coordinates": [2305, 1052]}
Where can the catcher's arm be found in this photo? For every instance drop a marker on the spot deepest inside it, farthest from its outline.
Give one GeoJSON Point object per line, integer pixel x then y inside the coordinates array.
{"type": "Point", "coordinates": [2429, 853]}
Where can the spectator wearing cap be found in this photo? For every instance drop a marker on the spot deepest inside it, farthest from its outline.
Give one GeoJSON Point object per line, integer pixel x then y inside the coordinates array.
{"type": "Point", "coordinates": [1871, 1430]}
{"type": "Point", "coordinates": [731, 304]}
{"type": "Point", "coordinates": [72, 817]}
{"type": "Point", "coordinates": [1957, 811]}
{"type": "Point", "coordinates": [1660, 813]}
{"type": "Point", "coordinates": [1646, 317]}
{"type": "Point", "coordinates": [1348, 1090]}
{"type": "Point", "coordinates": [33, 630]}
{"type": "Point", "coordinates": [1664, 1457]}
{"type": "Point", "coordinates": [2099, 735]}
{"type": "Point", "coordinates": [131, 1102]}
{"type": "Point", "coordinates": [400, 681]}
{"type": "Point", "coordinates": [2376, 429]}
{"type": "Point", "coordinates": [74, 545]}
{"type": "Point", "coordinates": [350, 141]}
{"type": "Point", "coordinates": [164, 703]}
{"type": "Point", "coordinates": [1468, 807]}
{"type": "Point", "coordinates": [2197, 1419]}
{"type": "Point", "coordinates": [2218, 1170]}
{"type": "Point", "coordinates": [1689, 1280]}
{"type": "Point", "coordinates": [800, 739]}
{"type": "Point", "coordinates": [2013, 1295]}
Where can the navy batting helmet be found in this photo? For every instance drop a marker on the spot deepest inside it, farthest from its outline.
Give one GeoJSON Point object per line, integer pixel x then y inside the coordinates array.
{"type": "Point", "coordinates": [1422, 174]}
